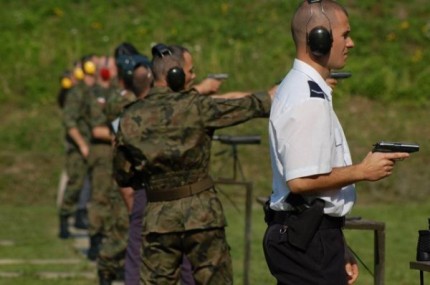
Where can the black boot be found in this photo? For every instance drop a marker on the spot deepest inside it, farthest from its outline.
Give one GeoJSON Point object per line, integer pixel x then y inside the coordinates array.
{"type": "Point", "coordinates": [81, 220]}
{"type": "Point", "coordinates": [95, 242]}
{"type": "Point", "coordinates": [64, 227]}
{"type": "Point", "coordinates": [105, 279]}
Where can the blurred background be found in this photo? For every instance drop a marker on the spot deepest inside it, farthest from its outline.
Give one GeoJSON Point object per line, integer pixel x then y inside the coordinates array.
{"type": "Point", "coordinates": [387, 98]}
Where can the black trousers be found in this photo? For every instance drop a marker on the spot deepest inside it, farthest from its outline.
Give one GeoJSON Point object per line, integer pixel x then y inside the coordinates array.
{"type": "Point", "coordinates": [323, 263]}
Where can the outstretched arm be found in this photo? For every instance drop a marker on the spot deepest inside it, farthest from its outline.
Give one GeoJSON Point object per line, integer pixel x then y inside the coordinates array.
{"type": "Point", "coordinates": [374, 166]}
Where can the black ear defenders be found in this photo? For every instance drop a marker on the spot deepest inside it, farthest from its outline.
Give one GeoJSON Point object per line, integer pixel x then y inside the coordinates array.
{"type": "Point", "coordinates": [319, 39]}
{"type": "Point", "coordinates": [175, 76]}
{"type": "Point", "coordinates": [176, 79]}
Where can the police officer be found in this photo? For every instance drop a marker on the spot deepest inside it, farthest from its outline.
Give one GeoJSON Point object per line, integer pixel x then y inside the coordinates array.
{"type": "Point", "coordinates": [313, 176]}
{"type": "Point", "coordinates": [164, 143]}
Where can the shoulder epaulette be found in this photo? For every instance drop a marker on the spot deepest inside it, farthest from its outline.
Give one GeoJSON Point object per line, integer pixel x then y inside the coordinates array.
{"type": "Point", "coordinates": [315, 90]}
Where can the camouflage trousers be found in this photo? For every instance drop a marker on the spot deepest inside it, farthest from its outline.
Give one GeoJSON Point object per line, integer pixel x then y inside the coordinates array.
{"type": "Point", "coordinates": [77, 170]}
{"type": "Point", "coordinates": [111, 257]}
{"type": "Point", "coordinates": [207, 250]}
{"type": "Point", "coordinates": [102, 182]}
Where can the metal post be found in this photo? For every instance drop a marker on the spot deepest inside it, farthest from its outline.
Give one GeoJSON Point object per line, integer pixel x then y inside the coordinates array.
{"type": "Point", "coordinates": [379, 252]}
{"type": "Point", "coordinates": [248, 225]}
{"type": "Point", "coordinates": [248, 233]}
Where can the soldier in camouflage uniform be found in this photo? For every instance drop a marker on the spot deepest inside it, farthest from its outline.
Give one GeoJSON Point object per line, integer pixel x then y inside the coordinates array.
{"type": "Point", "coordinates": [100, 160]}
{"type": "Point", "coordinates": [164, 143]}
{"type": "Point", "coordinates": [78, 140]}
{"type": "Point", "coordinates": [112, 252]}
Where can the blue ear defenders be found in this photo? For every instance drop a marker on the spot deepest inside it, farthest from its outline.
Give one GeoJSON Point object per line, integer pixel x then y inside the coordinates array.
{"type": "Point", "coordinates": [319, 39]}
{"type": "Point", "coordinates": [175, 76]}
{"type": "Point", "coordinates": [127, 64]}
{"type": "Point", "coordinates": [141, 60]}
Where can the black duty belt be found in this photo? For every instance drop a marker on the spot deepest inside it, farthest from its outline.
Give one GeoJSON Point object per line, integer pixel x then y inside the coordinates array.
{"type": "Point", "coordinates": [100, 142]}
{"type": "Point", "coordinates": [328, 222]}
{"type": "Point", "coordinates": [180, 192]}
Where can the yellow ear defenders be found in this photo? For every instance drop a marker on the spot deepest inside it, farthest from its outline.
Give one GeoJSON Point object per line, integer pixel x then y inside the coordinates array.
{"type": "Point", "coordinates": [78, 73]}
{"type": "Point", "coordinates": [66, 83]}
{"type": "Point", "coordinates": [89, 67]}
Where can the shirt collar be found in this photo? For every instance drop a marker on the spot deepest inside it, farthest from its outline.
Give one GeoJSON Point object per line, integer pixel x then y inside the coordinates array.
{"type": "Point", "coordinates": [313, 75]}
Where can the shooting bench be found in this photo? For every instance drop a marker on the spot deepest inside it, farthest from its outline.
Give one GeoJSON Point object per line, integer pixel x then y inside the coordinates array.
{"type": "Point", "coordinates": [421, 266]}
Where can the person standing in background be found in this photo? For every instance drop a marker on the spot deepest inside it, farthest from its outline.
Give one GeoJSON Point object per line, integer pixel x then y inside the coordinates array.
{"type": "Point", "coordinates": [77, 142]}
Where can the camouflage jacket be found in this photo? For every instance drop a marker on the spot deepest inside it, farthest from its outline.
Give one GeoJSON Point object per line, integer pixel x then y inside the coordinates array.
{"type": "Point", "coordinates": [116, 103]}
{"type": "Point", "coordinates": [164, 141]}
{"type": "Point", "coordinates": [76, 112]}
{"type": "Point", "coordinates": [98, 105]}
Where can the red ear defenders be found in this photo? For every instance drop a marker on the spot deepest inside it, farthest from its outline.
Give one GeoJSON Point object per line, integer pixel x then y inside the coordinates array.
{"type": "Point", "coordinates": [319, 39]}
{"type": "Point", "coordinates": [175, 76]}
{"type": "Point", "coordinates": [104, 70]}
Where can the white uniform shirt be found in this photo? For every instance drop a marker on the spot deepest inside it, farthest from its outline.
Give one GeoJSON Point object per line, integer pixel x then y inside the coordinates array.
{"type": "Point", "coordinates": [307, 139]}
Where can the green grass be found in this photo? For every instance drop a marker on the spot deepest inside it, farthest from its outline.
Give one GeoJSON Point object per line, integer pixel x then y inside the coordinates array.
{"type": "Point", "coordinates": [33, 232]}
{"type": "Point", "coordinates": [248, 39]}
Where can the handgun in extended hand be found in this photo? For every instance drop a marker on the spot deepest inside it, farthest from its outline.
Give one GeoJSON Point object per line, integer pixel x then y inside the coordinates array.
{"type": "Point", "coordinates": [237, 139]}
{"type": "Point", "coordinates": [395, 147]}
{"type": "Point", "coordinates": [340, 74]}
{"type": "Point", "coordinates": [219, 76]}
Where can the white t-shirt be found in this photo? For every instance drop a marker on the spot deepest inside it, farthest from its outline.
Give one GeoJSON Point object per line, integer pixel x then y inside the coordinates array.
{"type": "Point", "coordinates": [307, 139]}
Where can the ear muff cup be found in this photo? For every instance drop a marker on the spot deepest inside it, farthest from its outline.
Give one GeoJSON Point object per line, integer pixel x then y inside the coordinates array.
{"type": "Point", "coordinates": [78, 73]}
{"type": "Point", "coordinates": [176, 79]}
{"type": "Point", "coordinates": [66, 83]}
{"type": "Point", "coordinates": [105, 73]}
{"type": "Point", "coordinates": [89, 68]}
{"type": "Point", "coordinates": [320, 41]}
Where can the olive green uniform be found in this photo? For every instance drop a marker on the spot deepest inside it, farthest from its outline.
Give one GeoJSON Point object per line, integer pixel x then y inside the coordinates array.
{"type": "Point", "coordinates": [108, 209]}
{"type": "Point", "coordinates": [164, 142]}
{"type": "Point", "coordinates": [116, 104]}
{"type": "Point", "coordinates": [75, 114]}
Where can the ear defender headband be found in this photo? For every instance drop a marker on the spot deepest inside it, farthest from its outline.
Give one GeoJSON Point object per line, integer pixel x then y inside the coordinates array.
{"type": "Point", "coordinates": [319, 39]}
{"type": "Point", "coordinates": [141, 60]}
{"type": "Point", "coordinates": [175, 76]}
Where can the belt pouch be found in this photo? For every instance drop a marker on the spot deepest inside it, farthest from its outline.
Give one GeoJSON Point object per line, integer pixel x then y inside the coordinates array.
{"type": "Point", "coordinates": [303, 226]}
{"type": "Point", "coordinates": [269, 214]}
